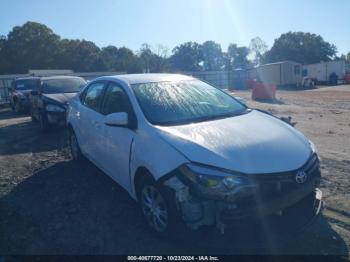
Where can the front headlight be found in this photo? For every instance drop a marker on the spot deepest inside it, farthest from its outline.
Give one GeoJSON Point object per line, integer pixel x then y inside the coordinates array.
{"type": "Point", "coordinates": [313, 147]}
{"type": "Point", "coordinates": [314, 150]}
{"type": "Point", "coordinates": [54, 108]}
{"type": "Point", "coordinates": [212, 181]}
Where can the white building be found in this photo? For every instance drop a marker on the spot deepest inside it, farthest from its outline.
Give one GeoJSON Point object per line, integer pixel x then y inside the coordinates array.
{"type": "Point", "coordinates": [322, 71]}
{"type": "Point", "coordinates": [285, 73]}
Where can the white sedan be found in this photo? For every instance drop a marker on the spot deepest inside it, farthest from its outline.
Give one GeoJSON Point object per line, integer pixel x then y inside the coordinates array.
{"type": "Point", "coordinates": [193, 155]}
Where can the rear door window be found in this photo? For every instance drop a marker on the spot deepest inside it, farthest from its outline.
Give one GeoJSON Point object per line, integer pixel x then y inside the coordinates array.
{"type": "Point", "coordinates": [27, 84]}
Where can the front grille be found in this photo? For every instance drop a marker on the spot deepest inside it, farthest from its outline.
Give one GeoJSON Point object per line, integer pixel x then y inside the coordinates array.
{"type": "Point", "coordinates": [274, 185]}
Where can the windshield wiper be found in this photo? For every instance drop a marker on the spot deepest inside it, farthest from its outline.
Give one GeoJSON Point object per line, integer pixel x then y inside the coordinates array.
{"type": "Point", "coordinates": [208, 118]}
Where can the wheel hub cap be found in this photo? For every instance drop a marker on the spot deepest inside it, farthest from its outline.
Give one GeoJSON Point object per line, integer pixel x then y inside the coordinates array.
{"type": "Point", "coordinates": [154, 208]}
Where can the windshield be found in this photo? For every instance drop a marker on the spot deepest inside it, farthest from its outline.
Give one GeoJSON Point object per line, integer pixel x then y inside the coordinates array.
{"type": "Point", "coordinates": [182, 102]}
{"type": "Point", "coordinates": [28, 84]}
{"type": "Point", "coordinates": [65, 85]}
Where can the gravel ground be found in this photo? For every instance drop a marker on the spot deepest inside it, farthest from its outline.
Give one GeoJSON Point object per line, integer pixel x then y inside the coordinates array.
{"type": "Point", "coordinates": [52, 205]}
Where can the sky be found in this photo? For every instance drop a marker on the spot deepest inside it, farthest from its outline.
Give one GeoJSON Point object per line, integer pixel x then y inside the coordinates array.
{"type": "Point", "coordinates": [131, 23]}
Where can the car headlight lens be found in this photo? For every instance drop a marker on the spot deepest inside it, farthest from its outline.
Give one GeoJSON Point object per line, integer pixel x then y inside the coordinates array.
{"type": "Point", "coordinates": [214, 179]}
{"type": "Point", "coordinates": [54, 108]}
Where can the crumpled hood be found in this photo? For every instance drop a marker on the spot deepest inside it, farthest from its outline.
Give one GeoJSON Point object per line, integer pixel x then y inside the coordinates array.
{"type": "Point", "coordinates": [251, 143]}
{"type": "Point", "coordinates": [62, 98]}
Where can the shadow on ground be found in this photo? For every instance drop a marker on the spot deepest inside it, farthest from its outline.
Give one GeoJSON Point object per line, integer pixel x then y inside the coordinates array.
{"type": "Point", "coordinates": [73, 208]}
{"type": "Point", "coordinates": [25, 136]}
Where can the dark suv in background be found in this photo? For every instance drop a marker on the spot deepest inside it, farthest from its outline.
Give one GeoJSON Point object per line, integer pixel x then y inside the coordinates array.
{"type": "Point", "coordinates": [49, 102]}
{"type": "Point", "coordinates": [19, 93]}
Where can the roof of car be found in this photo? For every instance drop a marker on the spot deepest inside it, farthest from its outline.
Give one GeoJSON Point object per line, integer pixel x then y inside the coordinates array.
{"type": "Point", "coordinates": [58, 77]}
{"type": "Point", "coordinates": [27, 78]}
{"type": "Point", "coordinates": [149, 78]}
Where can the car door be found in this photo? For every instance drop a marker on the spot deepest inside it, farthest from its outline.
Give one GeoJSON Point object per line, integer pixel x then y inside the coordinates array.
{"type": "Point", "coordinates": [91, 121]}
{"type": "Point", "coordinates": [117, 140]}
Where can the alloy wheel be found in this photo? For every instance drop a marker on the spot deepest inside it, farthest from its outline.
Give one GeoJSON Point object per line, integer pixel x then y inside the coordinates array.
{"type": "Point", "coordinates": [154, 208]}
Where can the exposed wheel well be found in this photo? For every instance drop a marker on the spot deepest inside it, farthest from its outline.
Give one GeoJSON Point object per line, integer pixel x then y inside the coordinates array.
{"type": "Point", "coordinates": [141, 173]}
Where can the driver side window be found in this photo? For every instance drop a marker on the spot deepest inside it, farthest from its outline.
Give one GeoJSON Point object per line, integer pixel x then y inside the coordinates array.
{"type": "Point", "coordinates": [115, 100]}
{"type": "Point", "coordinates": [93, 96]}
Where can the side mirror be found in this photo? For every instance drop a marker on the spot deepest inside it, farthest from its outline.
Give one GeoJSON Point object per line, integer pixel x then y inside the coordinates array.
{"type": "Point", "coordinates": [10, 89]}
{"type": "Point", "coordinates": [34, 92]}
{"type": "Point", "coordinates": [117, 119]}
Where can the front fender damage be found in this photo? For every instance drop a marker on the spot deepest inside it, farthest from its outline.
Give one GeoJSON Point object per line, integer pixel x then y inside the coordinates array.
{"type": "Point", "coordinates": [199, 211]}
{"type": "Point", "coordinates": [195, 212]}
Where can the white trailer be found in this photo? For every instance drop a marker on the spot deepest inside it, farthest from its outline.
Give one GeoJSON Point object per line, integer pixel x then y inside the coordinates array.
{"type": "Point", "coordinates": [322, 71]}
{"type": "Point", "coordinates": [285, 73]}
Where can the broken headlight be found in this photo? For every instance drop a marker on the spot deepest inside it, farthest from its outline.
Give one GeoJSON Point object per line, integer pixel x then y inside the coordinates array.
{"type": "Point", "coordinates": [215, 182]}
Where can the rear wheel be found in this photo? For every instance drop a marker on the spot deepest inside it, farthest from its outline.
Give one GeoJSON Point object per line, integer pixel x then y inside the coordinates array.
{"type": "Point", "coordinates": [44, 124]}
{"type": "Point", "coordinates": [159, 208]}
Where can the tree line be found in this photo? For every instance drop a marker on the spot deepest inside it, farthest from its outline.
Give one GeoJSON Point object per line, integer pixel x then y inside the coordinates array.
{"type": "Point", "coordinates": [35, 46]}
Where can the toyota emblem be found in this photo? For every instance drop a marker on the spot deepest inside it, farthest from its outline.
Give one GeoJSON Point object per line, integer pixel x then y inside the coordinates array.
{"type": "Point", "coordinates": [300, 177]}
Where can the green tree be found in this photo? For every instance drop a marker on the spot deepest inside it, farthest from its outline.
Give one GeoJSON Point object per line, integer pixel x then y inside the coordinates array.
{"type": "Point", "coordinates": [127, 61]}
{"type": "Point", "coordinates": [30, 46]}
{"type": "Point", "coordinates": [120, 59]}
{"type": "Point", "coordinates": [212, 56]}
{"type": "Point", "coordinates": [2, 41]}
{"type": "Point", "coordinates": [305, 48]}
{"type": "Point", "coordinates": [187, 57]}
{"type": "Point", "coordinates": [257, 48]}
{"type": "Point", "coordinates": [151, 61]}
{"type": "Point", "coordinates": [80, 55]}
{"type": "Point", "coordinates": [236, 57]}
{"type": "Point", "coordinates": [3, 62]}
{"type": "Point", "coordinates": [109, 56]}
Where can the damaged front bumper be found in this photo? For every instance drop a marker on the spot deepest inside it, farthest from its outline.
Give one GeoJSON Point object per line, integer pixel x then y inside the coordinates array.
{"type": "Point", "coordinates": [300, 204]}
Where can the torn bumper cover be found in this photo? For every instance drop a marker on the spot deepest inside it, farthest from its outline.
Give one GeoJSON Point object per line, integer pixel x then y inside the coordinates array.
{"type": "Point", "coordinates": [257, 199]}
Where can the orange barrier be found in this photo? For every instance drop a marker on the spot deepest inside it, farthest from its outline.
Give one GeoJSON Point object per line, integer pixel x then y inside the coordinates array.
{"type": "Point", "coordinates": [263, 91]}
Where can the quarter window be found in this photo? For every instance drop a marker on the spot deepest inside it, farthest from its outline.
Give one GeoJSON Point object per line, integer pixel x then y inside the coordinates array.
{"type": "Point", "coordinates": [116, 100]}
{"type": "Point", "coordinates": [93, 96]}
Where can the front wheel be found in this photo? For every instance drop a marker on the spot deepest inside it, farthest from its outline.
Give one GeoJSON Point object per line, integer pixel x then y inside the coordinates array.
{"type": "Point", "coordinates": [74, 146]}
{"type": "Point", "coordinates": [159, 208]}
{"type": "Point", "coordinates": [32, 115]}
{"type": "Point", "coordinates": [44, 124]}
{"type": "Point", "coordinates": [17, 107]}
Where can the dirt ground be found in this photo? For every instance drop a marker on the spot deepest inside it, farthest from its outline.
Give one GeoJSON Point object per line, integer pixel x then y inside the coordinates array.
{"type": "Point", "coordinates": [52, 205]}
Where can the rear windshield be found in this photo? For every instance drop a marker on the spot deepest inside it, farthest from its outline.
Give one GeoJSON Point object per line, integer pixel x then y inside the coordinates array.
{"type": "Point", "coordinates": [66, 85]}
{"type": "Point", "coordinates": [27, 84]}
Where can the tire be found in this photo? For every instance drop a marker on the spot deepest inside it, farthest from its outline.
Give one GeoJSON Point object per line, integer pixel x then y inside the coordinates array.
{"type": "Point", "coordinates": [74, 146]}
{"type": "Point", "coordinates": [159, 208]}
{"type": "Point", "coordinates": [17, 107]}
{"type": "Point", "coordinates": [32, 116]}
{"type": "Point", "coordinates": [44, 124]}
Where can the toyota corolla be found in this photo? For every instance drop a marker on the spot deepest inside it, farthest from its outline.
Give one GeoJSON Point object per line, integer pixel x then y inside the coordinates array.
{"type": "Point", "coordinates": [191, 154]}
